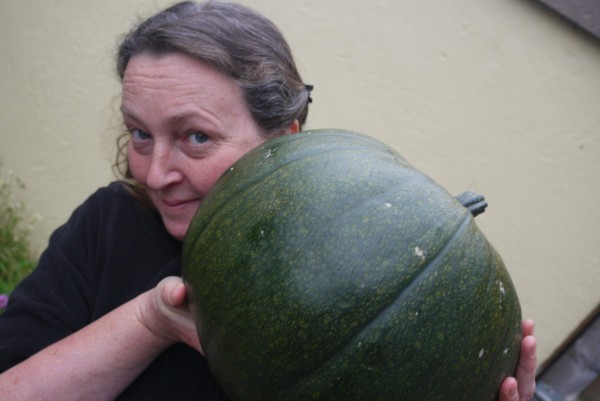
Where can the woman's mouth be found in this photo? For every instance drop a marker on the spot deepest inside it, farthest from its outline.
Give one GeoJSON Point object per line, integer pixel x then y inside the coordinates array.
{"type": "Point", "coordinates": [178, 204]}
{"type": "Point", "coordinates": [174, 203]}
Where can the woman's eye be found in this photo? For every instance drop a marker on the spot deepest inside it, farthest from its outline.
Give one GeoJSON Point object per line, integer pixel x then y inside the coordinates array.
{"type": "Point", "coordinates": [140, 135]}
{"type": "Point", "coordinates": [197, 137]}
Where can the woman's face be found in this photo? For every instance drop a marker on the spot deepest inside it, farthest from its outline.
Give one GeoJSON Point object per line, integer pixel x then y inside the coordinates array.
{"type": "Point", "coordinates": [188, 124]}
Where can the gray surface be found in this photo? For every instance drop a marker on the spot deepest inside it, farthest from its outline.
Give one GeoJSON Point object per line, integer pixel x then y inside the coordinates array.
{"type": "Point", "coordinates": [584, 13]}
{"type": "Point", "coordinates": [578, 366]}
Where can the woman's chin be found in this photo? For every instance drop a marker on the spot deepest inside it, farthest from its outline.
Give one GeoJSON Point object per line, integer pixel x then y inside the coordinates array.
{"type": "Point", "coordinates": [177, 230]}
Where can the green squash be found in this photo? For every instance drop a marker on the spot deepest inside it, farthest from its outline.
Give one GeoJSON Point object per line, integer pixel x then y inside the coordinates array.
{"type": "Point", "coordinates": [322, 266]}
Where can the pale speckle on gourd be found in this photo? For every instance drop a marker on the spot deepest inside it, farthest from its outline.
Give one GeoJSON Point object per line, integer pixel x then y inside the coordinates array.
{"type": "Point", "coordinates": [501, 285]}
{"type": "Point", "coordinates": [481, 353]}
{"type": "Point", "coordinates": [388, 205]}
{"type": "Point", "coordinates": [420, 253]}
{"type": "Point", "coordinates": [270, 152]}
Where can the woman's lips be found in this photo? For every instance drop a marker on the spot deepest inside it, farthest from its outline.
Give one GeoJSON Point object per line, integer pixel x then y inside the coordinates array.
{"type": "Point", "coordinates": [179, 204]}
{"type": "Point", "coordinates": [174, 203]}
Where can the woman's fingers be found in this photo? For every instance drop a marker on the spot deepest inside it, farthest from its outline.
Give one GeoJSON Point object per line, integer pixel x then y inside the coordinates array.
{"type": "Point", "coordinates": [527, 326]}
{"type": "Point", "coordinates": [526, 369]}
{"type": "Point", "coordinates": [508, 390]}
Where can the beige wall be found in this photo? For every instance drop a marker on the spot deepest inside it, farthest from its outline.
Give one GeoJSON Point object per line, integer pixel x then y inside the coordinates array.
{"type": "Point", "coordinates": [497, 96]}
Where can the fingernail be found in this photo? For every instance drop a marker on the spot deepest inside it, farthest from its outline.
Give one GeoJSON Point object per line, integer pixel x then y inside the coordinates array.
{"type": "Point", "coordinates": [512, 393]}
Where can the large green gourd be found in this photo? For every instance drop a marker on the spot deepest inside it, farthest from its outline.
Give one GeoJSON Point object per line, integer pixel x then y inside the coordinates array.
{"type": "Point", "coordinates": [322, 266]}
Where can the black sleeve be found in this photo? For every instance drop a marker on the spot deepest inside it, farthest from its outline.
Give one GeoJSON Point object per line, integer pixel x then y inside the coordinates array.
{"type": "Point", "coordinates": [56, 299]}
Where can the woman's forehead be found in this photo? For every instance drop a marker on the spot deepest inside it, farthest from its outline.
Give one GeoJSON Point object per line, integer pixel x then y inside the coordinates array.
{"type": "Point", "coordinates": [177, 90]}
{"type": "Point", "coordinates": [178, 79]}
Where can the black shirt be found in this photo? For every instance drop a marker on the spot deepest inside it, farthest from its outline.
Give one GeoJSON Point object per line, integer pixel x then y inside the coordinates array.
{"type": "Point", "coordinates": [112, 249]}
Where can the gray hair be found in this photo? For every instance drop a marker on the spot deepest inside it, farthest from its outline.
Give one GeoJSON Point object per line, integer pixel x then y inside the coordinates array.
{"type": "Point", "coordinates": [240, 43]}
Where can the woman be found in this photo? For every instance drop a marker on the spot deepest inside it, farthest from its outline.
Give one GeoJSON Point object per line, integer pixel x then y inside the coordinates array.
{"type": "Point", "coordinates": [104, 316]}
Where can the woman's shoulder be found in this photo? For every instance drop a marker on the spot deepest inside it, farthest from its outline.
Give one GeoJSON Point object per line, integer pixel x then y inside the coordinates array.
{"type": "Point", "coordinates": [119, 191]}
{"type": "Point", "coordinates": [116, 197]}
{"type": "Point", "coordinates": [110, 211]}
{"type": "Point", "coordinates": [112, 236]}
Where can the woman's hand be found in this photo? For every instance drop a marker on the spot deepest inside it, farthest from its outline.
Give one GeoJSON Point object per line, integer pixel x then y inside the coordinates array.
{"type": "Point", "coordinates": [166, 315]}
{"type": "Point", "coordinates": [522, 386]}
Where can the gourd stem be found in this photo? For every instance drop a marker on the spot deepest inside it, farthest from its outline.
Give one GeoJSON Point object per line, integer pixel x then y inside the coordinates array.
{"type": "Point", "coordinates": [476, 203]}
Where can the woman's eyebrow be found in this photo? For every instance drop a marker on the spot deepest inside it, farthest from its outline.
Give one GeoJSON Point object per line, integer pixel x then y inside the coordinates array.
{"type": "Point", "coordinates": [127, 112]}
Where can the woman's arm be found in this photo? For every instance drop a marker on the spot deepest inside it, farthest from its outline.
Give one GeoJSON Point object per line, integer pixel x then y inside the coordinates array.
{"type": "Point", "coordinates": [102, 359]}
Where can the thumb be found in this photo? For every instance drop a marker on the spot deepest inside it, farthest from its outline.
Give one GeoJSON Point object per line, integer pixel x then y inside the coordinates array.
{"type": "Point", "coordinates": [172, 291]}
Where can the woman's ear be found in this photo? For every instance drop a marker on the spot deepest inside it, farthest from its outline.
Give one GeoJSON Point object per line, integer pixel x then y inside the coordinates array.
{"type": "Point", "coordinates": [295, 127]}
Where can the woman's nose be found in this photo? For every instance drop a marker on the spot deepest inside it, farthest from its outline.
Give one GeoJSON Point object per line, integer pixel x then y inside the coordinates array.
{"type": "Point", "coordinates": [163, 169]}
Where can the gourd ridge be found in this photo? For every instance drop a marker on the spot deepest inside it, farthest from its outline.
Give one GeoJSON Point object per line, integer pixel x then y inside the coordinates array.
{"type": "Point", "coordinates": [352, 339]}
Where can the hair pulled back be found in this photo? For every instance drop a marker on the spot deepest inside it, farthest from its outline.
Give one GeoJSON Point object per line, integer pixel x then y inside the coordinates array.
{"type": "Point", "coordinates": [237, 41]}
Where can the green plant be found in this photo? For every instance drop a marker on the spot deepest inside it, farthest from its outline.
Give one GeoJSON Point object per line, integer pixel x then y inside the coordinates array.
{"type": "Point", "coordinates": [322, 266]}
{"type": "Point", "coordinates": [16, 257]}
